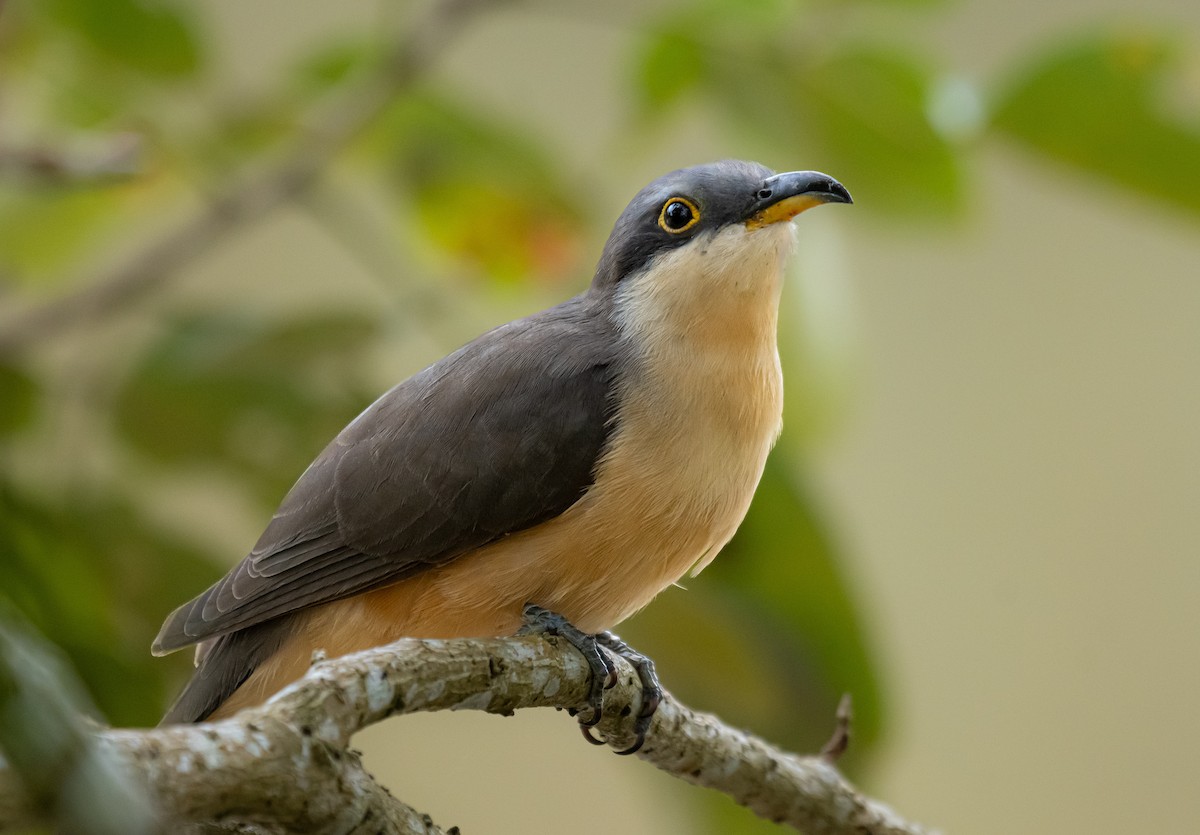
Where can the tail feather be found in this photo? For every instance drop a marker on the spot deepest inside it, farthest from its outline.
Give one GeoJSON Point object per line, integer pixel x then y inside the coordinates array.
{"type": "Point", "coordinates": [223, 667]}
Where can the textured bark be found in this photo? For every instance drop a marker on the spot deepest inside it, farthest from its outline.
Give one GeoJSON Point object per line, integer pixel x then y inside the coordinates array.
{"type": "Point", "coordinates": [286, 765]}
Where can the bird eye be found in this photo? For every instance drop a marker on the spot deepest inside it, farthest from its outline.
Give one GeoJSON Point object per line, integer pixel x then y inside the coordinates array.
{"type": "Point", "coordinates": [678, 215]}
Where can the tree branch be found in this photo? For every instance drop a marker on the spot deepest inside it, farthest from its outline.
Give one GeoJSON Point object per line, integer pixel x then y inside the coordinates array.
{"type": "Point", "coordinates": [254, 196]}
{"type": "Point", "coordinates": [116, 157]}
{"type": "Point", "coordinates": [288, 761]}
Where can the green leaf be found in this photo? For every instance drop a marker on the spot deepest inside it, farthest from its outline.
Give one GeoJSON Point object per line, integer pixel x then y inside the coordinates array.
{"type": "Point", "coordinates": [714, 46]}
{"type": "Point", "coordinates": [484, 193]}
{"type": "Point", "coordinates": [860, 113]}
{"type": "Point", "coordinates": [868, 109]}
{"type": "Point", "coordinates": [154, 37]}
{"type": "Point", "coordinates": [332, 64]}
{"type": "Point", "coordinates": [258, 398]}
{"type": "Point", "coordinates": [18, 399]}
{"type": "Point", "coordinates": [670, 65]}
{"type": "Point", "coordinates": [1103, 105]}
{"type": "Point", "coordinates": [42, 230]}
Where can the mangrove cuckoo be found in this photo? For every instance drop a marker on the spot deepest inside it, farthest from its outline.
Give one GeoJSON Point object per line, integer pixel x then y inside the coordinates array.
{"type": "Point", "coordinates": [577, 461]}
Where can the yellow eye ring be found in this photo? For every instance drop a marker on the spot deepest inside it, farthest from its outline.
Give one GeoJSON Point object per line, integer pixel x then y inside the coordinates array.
{"type": "Point", "coordinates": [678, 215]}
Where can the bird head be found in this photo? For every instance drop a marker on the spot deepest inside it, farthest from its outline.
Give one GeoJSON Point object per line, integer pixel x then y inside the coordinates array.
{"type": "Point", "coordinates": [729, 211]}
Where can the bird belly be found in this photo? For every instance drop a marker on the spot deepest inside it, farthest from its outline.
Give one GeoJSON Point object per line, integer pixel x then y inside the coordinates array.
{"type": "Point", "coordinates": [670, 491]}
{"type": "Point", "coordinates": [668, 495]}
{"type": "Point", "coordinates": [699, 407]}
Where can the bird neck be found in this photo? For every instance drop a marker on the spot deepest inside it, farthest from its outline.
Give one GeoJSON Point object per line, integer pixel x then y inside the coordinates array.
{"type": "Point", "coordinates": [719, 295]}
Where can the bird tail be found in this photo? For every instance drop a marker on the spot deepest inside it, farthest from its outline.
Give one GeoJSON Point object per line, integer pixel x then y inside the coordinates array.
{"type": "Point", "coordinates": [222, 667]}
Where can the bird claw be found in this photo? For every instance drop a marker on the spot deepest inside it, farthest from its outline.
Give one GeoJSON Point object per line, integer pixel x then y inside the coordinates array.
{"type": "Point", "coordinates": [586, 730]}
{"type": "Point", "coordinates": [652, 691]}
{"type": "Point", "coordinates": [539, 621]}
{"type": "Point", "coordinates": [595, 649]}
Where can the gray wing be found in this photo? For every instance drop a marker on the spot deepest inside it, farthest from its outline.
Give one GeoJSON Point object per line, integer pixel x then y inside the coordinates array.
{"type": "Point", "coordinates": [497, 437]}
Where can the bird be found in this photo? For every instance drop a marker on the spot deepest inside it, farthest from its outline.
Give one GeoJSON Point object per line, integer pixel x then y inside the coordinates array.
{"type": "Point", "coordinates": [561, 469]}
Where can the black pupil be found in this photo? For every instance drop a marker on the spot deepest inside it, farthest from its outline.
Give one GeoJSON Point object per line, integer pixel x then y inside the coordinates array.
{"type": "Point", "coordinates": [678, 214]}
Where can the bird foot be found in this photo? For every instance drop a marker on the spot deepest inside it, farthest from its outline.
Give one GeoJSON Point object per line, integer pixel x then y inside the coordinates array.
{"type": "Point", "coordinates": [652, 691]}
{"type": "Point", "coordinates": [539, 621]}
{"type": "Point", "coordinates": [595, 649]}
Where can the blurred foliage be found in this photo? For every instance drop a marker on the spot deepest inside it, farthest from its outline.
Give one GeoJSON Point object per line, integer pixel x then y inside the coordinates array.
{"type": "Point", "coordinates": [18, 394]}
{"type": "Point", "coordinates": [221, 390]}
{"type": "Point", "coordinates": [247, 399]}
{"type": "Point", "coordinates": [514, 221]}
{"type": "Point", "coordinates": [1125, 107]}
{"type": "Point", "coordinates": [45, 231]}
{"type": "Point", "coordinates": [93, 575]}
{"type": "Point", "coordinates": [854, 108]}
{"type": "Point", "coordinates": [46, 740]}
{"type": "Point", "coordinates": [155, 39]}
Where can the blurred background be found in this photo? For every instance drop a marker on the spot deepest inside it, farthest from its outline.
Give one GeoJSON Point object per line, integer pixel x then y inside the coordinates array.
{"type": "Point", "coordinates": [226, 227]}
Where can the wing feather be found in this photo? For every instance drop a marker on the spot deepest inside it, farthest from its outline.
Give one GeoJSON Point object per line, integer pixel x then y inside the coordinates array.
{"type": "Point", "coordinates": [497, 437]}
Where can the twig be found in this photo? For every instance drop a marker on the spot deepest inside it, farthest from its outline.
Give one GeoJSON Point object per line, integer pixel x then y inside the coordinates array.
{"type": "Point", "coordinates": [87, 161]}
{"type": "Point", "coordinates": [254, 196]}
{"type": "Point", "coordinates": [232, 770]}
{"type": "Point", "coordinates": [840, 741]}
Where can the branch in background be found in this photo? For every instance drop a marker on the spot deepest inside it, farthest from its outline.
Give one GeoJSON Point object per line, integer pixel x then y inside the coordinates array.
{"type": "Point", "coordinates": [256, 195]}
{"type": "Point", "coordinates": [288, 761]}
{"type": "Point", "coordinates": [97, 160]}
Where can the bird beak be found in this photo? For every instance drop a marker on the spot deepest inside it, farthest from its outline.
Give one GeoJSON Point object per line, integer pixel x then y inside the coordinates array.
{"type": "Point", "coordinates": [784, 196]}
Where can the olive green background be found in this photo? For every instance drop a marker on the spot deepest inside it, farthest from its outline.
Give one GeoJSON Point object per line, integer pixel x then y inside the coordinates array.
{"type": "Point", "coordinates": [982, 516]}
